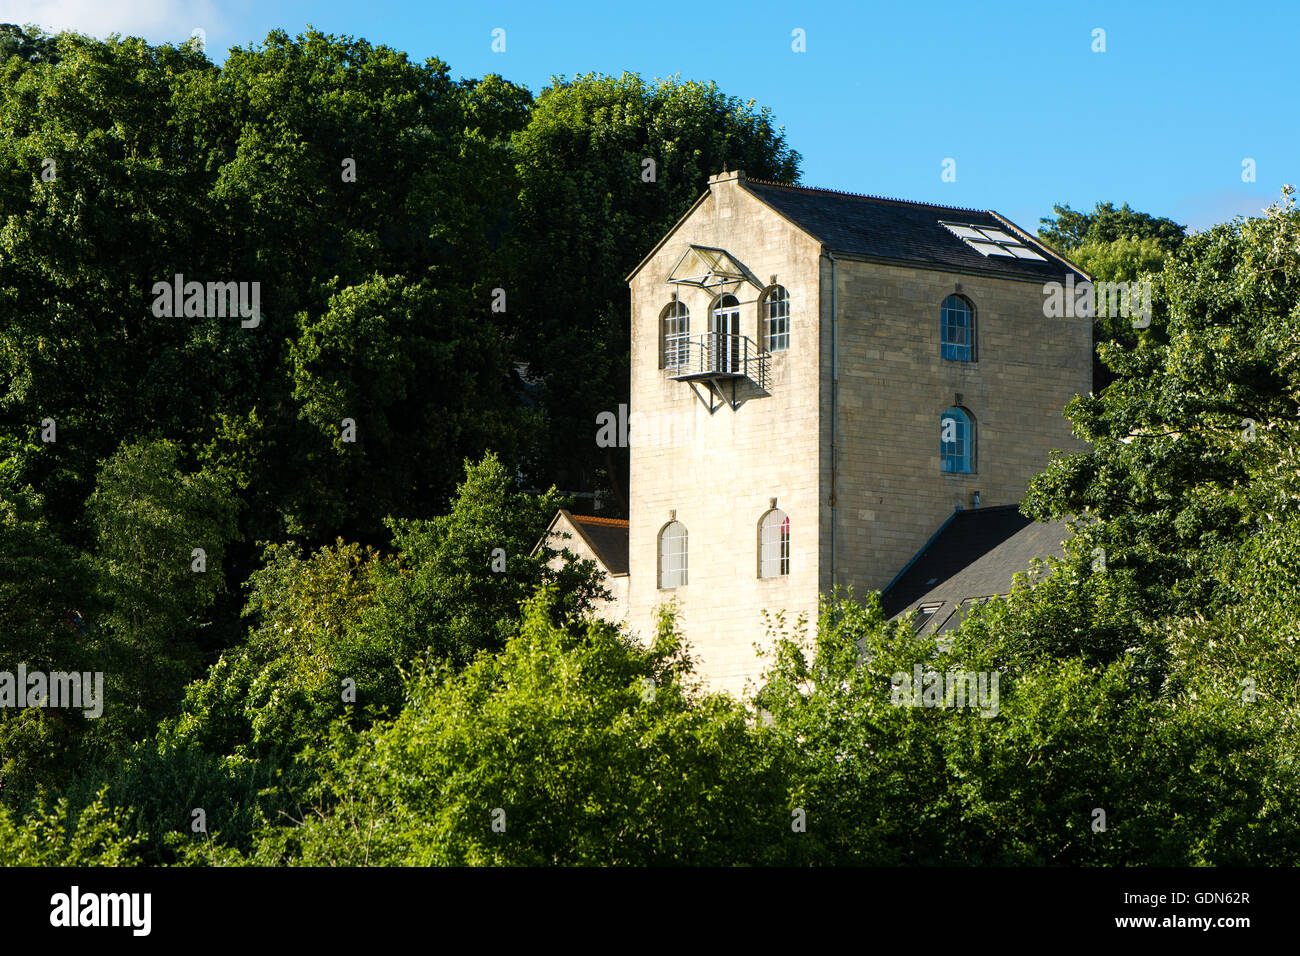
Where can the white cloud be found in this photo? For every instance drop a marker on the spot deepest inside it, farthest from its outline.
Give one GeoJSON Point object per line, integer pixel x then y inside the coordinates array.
{"type": "Point", "coordinates": [158, 21]}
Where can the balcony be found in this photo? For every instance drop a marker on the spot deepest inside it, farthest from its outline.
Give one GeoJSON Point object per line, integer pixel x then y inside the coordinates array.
{"type": "Point", "coordinates": [717, 359]}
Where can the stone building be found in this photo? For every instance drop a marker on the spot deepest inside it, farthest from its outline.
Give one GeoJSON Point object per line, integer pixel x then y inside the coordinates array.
{"type": "Point", "coordinates": [819, 381]}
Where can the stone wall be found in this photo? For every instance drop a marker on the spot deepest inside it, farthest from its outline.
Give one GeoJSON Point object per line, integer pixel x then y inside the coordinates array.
{"type": "Point", "coordinates": [718, 472]}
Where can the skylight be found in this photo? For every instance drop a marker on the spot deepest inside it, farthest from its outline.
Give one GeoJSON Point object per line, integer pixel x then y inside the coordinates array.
{"type": "Point", "coordinates": [923, 615]}
{"type": "Point", "coordinates": [992, 242]}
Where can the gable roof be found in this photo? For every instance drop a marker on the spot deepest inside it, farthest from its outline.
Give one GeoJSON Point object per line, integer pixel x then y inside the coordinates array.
{"type": "Point", "coordinates": [895, 230]}
{"type": "Point", "coordinates": [975, 554]}
{"type": "Point", "coordinates": [606, 537]}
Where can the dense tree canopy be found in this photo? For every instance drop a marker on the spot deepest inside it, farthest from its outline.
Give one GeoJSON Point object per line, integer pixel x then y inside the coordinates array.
{"type": "Point", "coordinates": [299, 545]}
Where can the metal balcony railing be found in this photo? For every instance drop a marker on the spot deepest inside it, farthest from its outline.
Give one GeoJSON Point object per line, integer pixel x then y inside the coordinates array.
{"type": "Point", "coordinates": [715, 356]}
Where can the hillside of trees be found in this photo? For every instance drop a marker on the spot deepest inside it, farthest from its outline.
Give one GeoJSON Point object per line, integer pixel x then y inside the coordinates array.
{"type": "Point", "coordinates": [275, 535]}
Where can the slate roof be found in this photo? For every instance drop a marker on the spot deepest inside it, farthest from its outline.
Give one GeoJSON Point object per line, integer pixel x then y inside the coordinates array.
{"type": "Point", "coordinates": [974, 555]}
{"type": "Point", "coordinates": [607, 537]}
{"type": "Point", "coordinates": [906, 232]}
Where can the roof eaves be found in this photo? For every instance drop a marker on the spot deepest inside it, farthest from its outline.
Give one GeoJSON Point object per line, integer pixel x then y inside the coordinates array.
{"type": "Point", "coordinates": [936, 266]}
{"type": "Point", "coordinates": [550, 528]}
{"type": "Point", "coordinates": [598, 520]}
{"type": "Point", "coordinates": [577, 526]}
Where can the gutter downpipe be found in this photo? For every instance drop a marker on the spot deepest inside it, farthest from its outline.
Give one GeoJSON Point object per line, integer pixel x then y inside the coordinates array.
{"type": "Point", "coordinates": [835, 383]}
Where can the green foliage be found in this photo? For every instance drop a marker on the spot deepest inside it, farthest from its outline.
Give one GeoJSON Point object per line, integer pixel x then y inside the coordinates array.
{"type": "Point", "coordinates": [1112, 245]}
{"type": "Point", "coordinates": [33, 47]}
{"type": "Point", "coordinates": [47, 619]}
{"type": "Point", "coordinates": [149, 516]}
{"type": "Point", "coordinates": [56, 836]}
{"type": "Point", "coordinates": [459, 580]}
{"type": "Point", "coordinates": [1123, 260]}
{"type": "Point", "coordinates": [160, 782]}
{"type": "Point", "coordinates": [285, 685]}
{"type": "Point", "coordinates": [399, 360]}
{"type": "Point", "coordinates": [1181, 780]}
{"type": "Point", "coordinates": [1169, 477]}
{"type": "Point", "coordinates": [1070, 230]}
{"type": "Point", "coordinates": [44, 586]}
{"type": "Point", "coordinates": [77, 252]}
{"type": "Point", "coordinates": [165, 165]}
{"type": "Point", "coordinates": [380, 706]}
{"type": "Point", "coordinates": [559, 733]}
{"type": "Point", "coordinates": [336, 634]}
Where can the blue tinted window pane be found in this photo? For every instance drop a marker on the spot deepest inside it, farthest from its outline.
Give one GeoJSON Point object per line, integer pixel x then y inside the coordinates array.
{"type": "Point", "coordinates": [954, 441]}
{"type": "Point", "coordinates": [955, 330]}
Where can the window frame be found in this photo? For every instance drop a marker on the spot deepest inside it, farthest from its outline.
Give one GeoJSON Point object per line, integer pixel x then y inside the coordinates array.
{"type": "Point", "coordinates": [969, 346]}
{"type": "Point", "coordinates": [925, 614]}
{"type": "Point", "coordinates": [662, 544]}
{"type": "Point", "coordinates": [968, 455]}
{"type": "Point", "coordinates": [774, 293]}
{"type": "Point", "coordinates": [780, 541]}
{"type": "Point", "coordinates": [677, 314]}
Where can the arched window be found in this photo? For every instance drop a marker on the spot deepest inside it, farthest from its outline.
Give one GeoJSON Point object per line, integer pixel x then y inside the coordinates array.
{"type": "Point", "coordinates": [956, 441]}
{"type": "Point", "coordinates": [774, 544]}
{"type": "Point", "coordinates": [674, 328]}
{"type": "Point", "coordinates": [774, 313]}
{"type": "Point", "coordinates": [672, 555]}
{"type": "Point", "coordinates": [957, 329]}
{"type": "Point", "coordinates": [725, 353]}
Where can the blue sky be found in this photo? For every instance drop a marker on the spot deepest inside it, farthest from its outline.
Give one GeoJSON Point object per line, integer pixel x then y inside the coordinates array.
{"type": "Point", "coordinates": [1013, 92]}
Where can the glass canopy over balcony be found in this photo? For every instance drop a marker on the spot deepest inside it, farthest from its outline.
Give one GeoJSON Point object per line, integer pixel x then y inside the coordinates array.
{"type": "Point", "coordinates": [721, 356]}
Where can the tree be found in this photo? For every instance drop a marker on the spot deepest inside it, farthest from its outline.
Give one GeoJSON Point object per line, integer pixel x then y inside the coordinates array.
{"type": "Point", "coordinates": [1018, 776]}
{"type": "Point", "coordinates": [574, 745]}
{"type": "Point", "coordinates": [33, 47]}
{"type": "Point", "coordinates": [1112, 245]}
{"type": "Point", "coordinates": [302, 168]}
{"type": "Point", "coordinates": [334, 631]}
{"type": "Point", "coordinates": [233, 748]}
{"type": "Point", "coordinates": [161, 532]}
{"type": "Point", "coordinates": [99, 197]}
{"type": "Point", "coordinates": [399, 378]}
{"type": "Point", "coordinates": [459, 580]}
{"type": "Point", "coordinates": [1069, 230]}
{"type": "Point", "coordinates": [49, 622]}
{"type": "Point", "coordinates": [1166, 483]}
{"type": "Point", "coordinates": [60, 836]}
